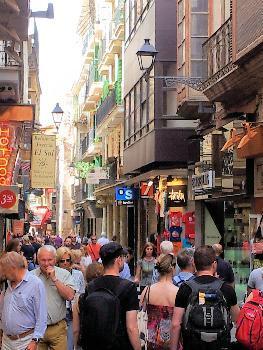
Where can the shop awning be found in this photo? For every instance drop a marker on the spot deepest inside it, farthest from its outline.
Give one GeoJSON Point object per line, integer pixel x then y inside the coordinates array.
{"type": "Point", "coordinates": [179, 173]}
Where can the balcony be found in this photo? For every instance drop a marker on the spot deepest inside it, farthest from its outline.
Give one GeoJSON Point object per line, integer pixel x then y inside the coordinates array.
{"type": "Point", "coordinates": [110, 112]}
{"type": "Point", "coordinates": [94, 88]}
{"type": "Point", "coordinates": [5, 59]}
{"type": "Point", "coordinates": [119, 23]}
{"type": "Point", "coordinates": [90, 146]}
{"type": "Point", "coordinates": [88, 45]}
{"type": "Point", "coordinates": [217, 50]}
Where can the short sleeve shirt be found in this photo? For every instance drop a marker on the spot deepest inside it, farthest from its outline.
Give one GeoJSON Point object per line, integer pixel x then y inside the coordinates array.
{"type": "Point", "coordinates": [184, 292]}
{"type": "Point", "coordinates": [56, 305]}
{"type": "Point", "coordinates": [224, 270]}
{"type": "Point", "coordinates": [127, 294]}
{"type": "Point", "coordinates": [256, 279]}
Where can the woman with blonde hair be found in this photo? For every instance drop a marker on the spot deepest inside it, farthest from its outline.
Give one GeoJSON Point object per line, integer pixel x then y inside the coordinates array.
{"type": "Point", "coordinates": [64, 258]}
{"type": "Point", "coordinates": [159, 300]}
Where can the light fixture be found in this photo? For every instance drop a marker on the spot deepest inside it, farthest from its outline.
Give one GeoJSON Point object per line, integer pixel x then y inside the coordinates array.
{"type": "Point", "coordinates": [169, 178]}
{"type": "Point", "coordinates": [146, 57]}
{"type": "Point", "coordinates": [57, 115]}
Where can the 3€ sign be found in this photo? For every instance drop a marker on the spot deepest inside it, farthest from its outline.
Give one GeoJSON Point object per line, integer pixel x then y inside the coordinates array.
{"type": "Point", "coordinates": [8, 199]}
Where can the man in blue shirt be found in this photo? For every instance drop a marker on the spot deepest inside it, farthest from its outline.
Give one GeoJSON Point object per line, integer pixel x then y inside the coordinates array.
{"type": "Point", "coordinates": [185, 261]}
{"type": "Point", "coordinates": [23, 308]}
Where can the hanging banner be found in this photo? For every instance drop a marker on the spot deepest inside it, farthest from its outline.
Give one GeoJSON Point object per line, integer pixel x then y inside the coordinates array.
{"type": "Point", "coordinates": [18, 228]}
{"type": "Point", "coordinates": [43, 163]}
{"type": "Point", "coordinates": [9, 199]}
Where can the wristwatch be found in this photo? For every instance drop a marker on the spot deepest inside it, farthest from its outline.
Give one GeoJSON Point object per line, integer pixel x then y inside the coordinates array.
{"type": "Point", "coordinates": [37, 340]}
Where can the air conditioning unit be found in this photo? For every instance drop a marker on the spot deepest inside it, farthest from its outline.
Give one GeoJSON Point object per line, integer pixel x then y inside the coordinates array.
{"type": "Point", "coordinates": [8, 92]}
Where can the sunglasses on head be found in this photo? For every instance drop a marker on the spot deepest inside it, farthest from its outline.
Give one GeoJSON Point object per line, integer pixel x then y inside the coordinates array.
{"type": "Point", "coordinates": [65, 260]}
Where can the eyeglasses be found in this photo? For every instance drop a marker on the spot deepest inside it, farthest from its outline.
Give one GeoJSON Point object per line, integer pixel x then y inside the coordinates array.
{"type": "Point", "coordinates": [65, 260]}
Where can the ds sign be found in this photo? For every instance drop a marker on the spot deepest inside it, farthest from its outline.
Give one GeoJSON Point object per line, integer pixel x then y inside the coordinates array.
{"type": "Point", "coordinates": [125, 195]}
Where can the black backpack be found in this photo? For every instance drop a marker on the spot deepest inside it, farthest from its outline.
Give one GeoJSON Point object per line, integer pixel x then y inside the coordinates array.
{"type": "Point", "coordinates": [100, 319]}
{"type": "Point", "coordinates": [207, 317]}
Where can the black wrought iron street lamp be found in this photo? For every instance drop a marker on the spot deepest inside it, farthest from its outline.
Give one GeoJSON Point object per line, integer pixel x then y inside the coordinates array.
{"type": "Point", "coordinates": [146, 58]}
{"type": "Point", "coordinates": [57, 115]}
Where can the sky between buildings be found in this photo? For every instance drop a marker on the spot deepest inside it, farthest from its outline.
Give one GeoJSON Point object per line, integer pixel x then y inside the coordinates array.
{"type": "Point", "coordinates": [60, 53]}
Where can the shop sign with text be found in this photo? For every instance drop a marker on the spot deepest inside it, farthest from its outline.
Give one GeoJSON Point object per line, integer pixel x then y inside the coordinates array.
{"type": "Point", "coordinates": [43, 164]}
{"type": "Point", "coordinates": [146, 190]}
{"type": "Point", "coordinates": [9, 199]}
{"type": "Point", "coordinates": [125, 195]}
{"type": "Point", "coordinates": [203, 181]}
{"type": "Point", "coordinates": [176, 196]}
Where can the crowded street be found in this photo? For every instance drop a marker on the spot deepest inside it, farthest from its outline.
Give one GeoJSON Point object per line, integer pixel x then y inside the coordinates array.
{"type": "Point", "coordinates": [131, 175]}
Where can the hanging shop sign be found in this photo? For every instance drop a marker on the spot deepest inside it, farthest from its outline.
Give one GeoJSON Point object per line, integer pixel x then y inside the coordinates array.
{"type": "Point", "coordinates": [41, 215]}
{"type": "Point", "coordinates": [9, 199]}
{"type": "Point", "coordinates": [125, 195]}
{"type": "Point", "coordinates": [203, 181]}
{"type": "Point", "coordinates": [102, 173]}
{"type": "Point", "coordinates": [176, 196]}
{"type": "Point", "coordinates": [18, 228]}
{"type": "Point", "coordinates": [146, 190]}
{"type": "Point", "coordinates": [92, 179]}
{"type": "Point", "coordinates": [43, 164]}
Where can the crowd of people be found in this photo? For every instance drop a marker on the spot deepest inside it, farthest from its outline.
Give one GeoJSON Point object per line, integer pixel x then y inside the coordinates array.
{"type": "Point", "coordinates": [89, 294]}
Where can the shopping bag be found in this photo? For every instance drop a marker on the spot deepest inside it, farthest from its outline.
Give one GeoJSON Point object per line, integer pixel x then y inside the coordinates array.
{"type": "Point", "coordinates": [142, 320]}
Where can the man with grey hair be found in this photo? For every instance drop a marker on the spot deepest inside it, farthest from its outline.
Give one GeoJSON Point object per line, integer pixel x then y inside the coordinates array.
{"type": "Point", "coordinates": [185, 261]}
{"type": "Point", "coordinates": [59, 287]}
{"type": "Point", "coordinates": [103, 239]}
{"type": "Point", "coordinates": [23, 306]}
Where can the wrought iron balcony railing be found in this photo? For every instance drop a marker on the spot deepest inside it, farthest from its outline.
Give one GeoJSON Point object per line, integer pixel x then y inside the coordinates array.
{"type": "Point", "coordinates": [217, 51]}
{"type": "Point", "coordinates": [106, 107]}
{"type": "Point", "coordinates": [87, 141]}
{"type": "Point", "coordinates": [5, 59]}
{"type": "Point", "coordinates": [87, 40]}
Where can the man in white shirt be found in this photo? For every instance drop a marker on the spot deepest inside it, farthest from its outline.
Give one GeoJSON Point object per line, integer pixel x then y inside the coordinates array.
{"type": "Point", "coordinates": [103, 239]}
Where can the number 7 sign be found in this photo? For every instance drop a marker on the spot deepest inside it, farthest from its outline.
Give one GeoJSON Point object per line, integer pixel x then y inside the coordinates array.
{"type": "Point", "coordinates": [146, 190]}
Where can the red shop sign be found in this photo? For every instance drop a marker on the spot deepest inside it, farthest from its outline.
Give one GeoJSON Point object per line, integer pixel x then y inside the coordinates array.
{"type": "Point", "coordinates": [9, 199]}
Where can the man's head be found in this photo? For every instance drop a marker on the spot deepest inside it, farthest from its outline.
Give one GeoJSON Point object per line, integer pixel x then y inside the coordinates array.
{"type": "Point", "coordinates": [185, 260]}
{"type": "Point", "coordinates": [166, 247]}
{"type": "Point", "coordinates": [205, 259]}
{"type": "Point", "coordinates": [103, 234]}
{"type": "Point", "coordinates": [218, 249]}
{"type": "Point", "coordinates": [93, 239]}
{"type": "Point", "coordinates": [12, 264]}
{"type": "Point", "coordinates": [73, 238]}
{"type": "Point", "coordinates": [68, 242]}
{"type": "Point", "coordinates": [46, 257]}
{"type": "Point", "coordinates": [113, 256]}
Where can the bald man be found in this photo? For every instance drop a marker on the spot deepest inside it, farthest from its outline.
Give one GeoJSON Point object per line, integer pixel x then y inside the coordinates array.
{"type": "Point", "coordinates": [224, 269]}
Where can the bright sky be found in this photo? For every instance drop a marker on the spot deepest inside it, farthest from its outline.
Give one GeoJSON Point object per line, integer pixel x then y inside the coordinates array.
{"type": "Point", "coordinates": [59, 52]}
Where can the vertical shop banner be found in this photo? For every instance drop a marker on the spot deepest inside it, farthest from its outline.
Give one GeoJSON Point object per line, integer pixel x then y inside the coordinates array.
{"type": "Point", "coordinates": [9, 199]}
{"type": "Point", "coordinates": [43, 163]}
{"type": "Point", "coordinates": [18, 228]}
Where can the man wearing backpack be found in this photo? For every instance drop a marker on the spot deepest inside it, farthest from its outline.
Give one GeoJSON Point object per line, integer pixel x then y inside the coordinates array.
{"type": "Point", "coordinates": [108, 309]}
{"type": "Point", "coordinates": [203, 307]}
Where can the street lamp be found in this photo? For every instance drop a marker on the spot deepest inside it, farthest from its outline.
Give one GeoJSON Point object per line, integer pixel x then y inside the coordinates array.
{"type": "Point", "coordinates": [146, 58]}
{"type": "Point", "coordinates": [57, 115]}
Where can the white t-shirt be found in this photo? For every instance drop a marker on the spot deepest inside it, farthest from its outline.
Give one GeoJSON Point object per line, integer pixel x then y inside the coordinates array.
{"type": "Point", "coordinates": [85, 261]}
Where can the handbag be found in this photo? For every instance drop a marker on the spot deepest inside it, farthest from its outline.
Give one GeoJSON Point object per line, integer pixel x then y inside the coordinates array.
{"type": "Point", "coordinates": [142, 320]}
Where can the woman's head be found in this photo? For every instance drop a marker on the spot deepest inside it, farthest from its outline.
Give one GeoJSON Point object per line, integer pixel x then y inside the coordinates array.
{"type": "Point", "coordinates": [165, 264]}
{"type": "Point", "coordinates": [93, 271]}
{"type": "Point", "coordinates": [149, 250]}
{"type": "Point", "coordinates": [76, 256]}
{"type": "Point", "coordinates": [13, 245]}
{"type": "Point", "coordinates": [26, 239]}
{"type": "Point", "coordinates": [64, 258]}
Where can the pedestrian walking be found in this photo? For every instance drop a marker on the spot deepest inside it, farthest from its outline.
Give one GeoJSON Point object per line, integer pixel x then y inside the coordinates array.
{"type": "Point", "coordinates": [93, 248]}
{"type": "Point", "coordinates": [59, 287]}
{"type": "Point", "coordinates": [93, 271]}
{"type": "Point", "coordinates": [108, 310]}
{"type": "Point", "coordinates": [103, 239]}
{"type": "Point", "coordinates": [224, 269]}
{"type": "Point", "coordinates": [160, 299]}
{"type": "Point", "coordinates": [145, 266]}
{"type": "Point", "coordinates": [65, 261]}
{"type": "Point", "coordinates": [23, 309]}
{"type": "Point", "coordinates": [74, 243]}
{"type": "Point", "coordinates": [203, 307]}
{"type": "Point", "coordinates": [255, 280]}
{"type": "Point", "coordinates": [29, 253]}
{"type": "Point", "coordinates": [14, 245]}
{"type": "Point", "coordinates": [68, 242]}
{"type": "Point", "coordinates": [185, 261]}
{"type": "Point", "coordinates": [166, 247]}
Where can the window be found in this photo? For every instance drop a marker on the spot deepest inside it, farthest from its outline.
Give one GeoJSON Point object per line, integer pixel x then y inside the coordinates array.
{"type": "Point", "coordinates": [144, 114]}
{"type": "Point", "coordinates": [199, 5]}
{"type": "Point", "coordinates": [197, 68]}
{"type": "Point", "coordinates": [180, 10]}
{"type": "Point", "coordinates": [196, 48]}
{"type": "Point", "coordinates": [199, 25]}
{"type": "Point", "coordinates": [137, 107]}
{"type": "Point", "coordinates": [181, 55]}
{"type": "Point", "coordinates": [127, 19]}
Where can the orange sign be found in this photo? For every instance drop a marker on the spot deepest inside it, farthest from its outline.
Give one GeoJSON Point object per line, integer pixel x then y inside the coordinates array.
{"type": "Point", "coordinates": [146, 190]}
{"type": "Point", "coordinates": [18, 227]}
{"type": "Point", "coordinates": [19, 113]}
{"type": "Point", "coordinates": [7, 153]}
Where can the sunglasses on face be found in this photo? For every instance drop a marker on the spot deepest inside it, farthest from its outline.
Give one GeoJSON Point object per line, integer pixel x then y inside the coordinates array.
{"type": "Point", "coordinates": [65, 260]}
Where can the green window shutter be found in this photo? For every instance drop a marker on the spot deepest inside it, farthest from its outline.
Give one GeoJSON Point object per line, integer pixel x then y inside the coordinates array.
{"type": "Point", "coordinates": [118, 87]}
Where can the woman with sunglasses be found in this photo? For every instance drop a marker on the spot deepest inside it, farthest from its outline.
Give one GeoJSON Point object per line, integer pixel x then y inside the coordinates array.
{"type": "Point", "coordinates": [159, 300]}
{"type": "Point", "coordinates": [65, 261]}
